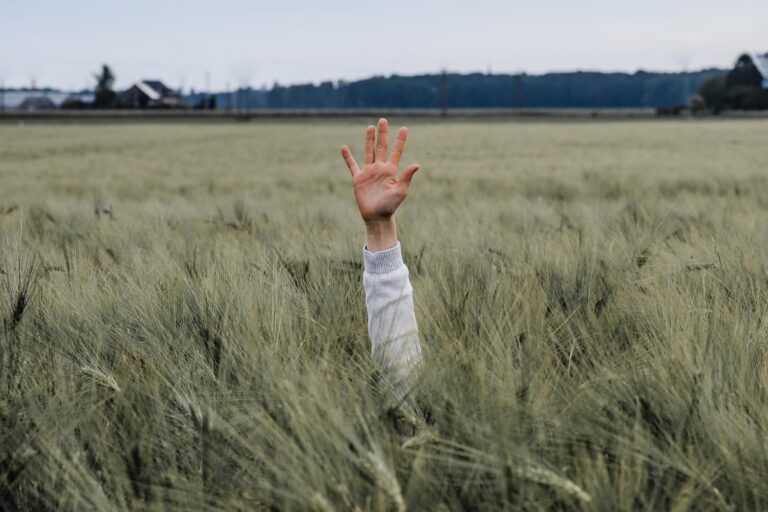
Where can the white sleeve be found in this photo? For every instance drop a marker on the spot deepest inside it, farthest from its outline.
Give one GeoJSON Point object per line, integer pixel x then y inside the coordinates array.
{"type": "Point", "coordinates": [391, 318]}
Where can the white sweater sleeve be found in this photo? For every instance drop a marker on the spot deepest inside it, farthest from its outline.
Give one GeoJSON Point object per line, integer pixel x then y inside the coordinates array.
{"type": "Point", "coordinates": [391, 318]}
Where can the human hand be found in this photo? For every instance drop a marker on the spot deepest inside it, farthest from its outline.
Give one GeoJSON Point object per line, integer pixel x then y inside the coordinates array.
{"type": "Point", "coordinates": [378, 188]}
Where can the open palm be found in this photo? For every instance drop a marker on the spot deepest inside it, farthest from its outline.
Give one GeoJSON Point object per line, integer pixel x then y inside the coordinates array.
{"type": "Point", "coordinates": [378, 188]}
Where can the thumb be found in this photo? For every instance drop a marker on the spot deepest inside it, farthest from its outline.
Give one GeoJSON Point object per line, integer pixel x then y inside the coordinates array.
{"type": "Point", "coordinates": [407, 174]}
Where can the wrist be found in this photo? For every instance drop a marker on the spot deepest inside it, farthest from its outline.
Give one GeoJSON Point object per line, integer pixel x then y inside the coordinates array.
{"type": "Point", "coordinates": [382, 234]}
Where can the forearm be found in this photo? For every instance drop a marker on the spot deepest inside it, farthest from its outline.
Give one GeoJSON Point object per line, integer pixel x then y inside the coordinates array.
{"type": "Point", "coordinates": [382, 234]}
{"type": "Point", "coordinates": [391, 318]}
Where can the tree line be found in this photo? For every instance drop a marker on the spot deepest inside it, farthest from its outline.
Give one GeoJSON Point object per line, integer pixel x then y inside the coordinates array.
{"type": "Point", "coordinates": [477, 90]}
{"type": "Point", "coordinates": [453, 90]}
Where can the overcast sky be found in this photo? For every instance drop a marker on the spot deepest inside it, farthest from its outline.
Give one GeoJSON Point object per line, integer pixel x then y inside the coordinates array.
{"type": "Point", "coordinates": [61, 43]}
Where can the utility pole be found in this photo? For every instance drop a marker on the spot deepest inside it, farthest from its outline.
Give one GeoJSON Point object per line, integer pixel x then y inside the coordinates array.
{"type": "Point", "coordinates": [207, 89]}
{"type": "Point", "coordinates": [600, 91]}
{"type": "Point", "coordinates": [444, 93]}
{"type": "Point", "coordinates": [684, 61]}
{"type": "Point", "coordinates": [242, 95]}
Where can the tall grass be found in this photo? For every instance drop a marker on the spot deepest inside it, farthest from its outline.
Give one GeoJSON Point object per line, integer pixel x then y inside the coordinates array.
{"type": "Point", "coordinates": [184, 328]}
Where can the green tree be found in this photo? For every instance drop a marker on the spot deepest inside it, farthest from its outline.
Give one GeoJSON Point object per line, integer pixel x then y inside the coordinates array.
{"type": "Point", "coordinates": [742, 97]}
{"type": "Point", "coordinates": [713, 90]}
{"type": "Point", "coordinates": [105, 96]}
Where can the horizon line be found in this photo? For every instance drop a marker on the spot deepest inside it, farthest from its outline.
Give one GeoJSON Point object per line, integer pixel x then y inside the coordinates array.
{"type": "Point", "coordinates": [337, 81]}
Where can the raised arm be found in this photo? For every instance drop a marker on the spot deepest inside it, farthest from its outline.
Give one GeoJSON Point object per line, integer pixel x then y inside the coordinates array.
{"type": "Point", "coordinates": [388, 292]}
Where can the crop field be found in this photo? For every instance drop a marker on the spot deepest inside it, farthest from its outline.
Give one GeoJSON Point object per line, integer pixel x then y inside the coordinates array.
{"type": "Point", "coordinates": [184, 327]}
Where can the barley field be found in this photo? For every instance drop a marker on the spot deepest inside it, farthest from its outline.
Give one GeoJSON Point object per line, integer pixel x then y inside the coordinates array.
{"type": "Point", "coordinates": [184, 325]}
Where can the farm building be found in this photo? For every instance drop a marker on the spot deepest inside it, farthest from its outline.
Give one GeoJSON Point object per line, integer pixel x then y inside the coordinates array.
{"type": "Point", "coordinates": [150, 94]}
{"type": "Point", "coordinates": [751, 70]}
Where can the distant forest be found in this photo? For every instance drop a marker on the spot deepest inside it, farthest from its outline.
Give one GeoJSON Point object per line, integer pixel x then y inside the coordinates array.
{"type": "Point", "coordinates": [451, 90]}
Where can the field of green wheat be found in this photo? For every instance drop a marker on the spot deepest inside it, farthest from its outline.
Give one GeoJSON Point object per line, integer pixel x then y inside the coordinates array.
{"type": "Point", "coordinates": [183, 323]}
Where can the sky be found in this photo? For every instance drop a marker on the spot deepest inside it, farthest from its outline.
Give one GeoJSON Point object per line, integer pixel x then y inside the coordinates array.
{"type": "Point", "coordinates": [254, 43]}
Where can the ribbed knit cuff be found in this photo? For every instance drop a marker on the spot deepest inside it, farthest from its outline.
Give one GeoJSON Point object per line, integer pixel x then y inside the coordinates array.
{"type": "Point", "coordinates": [382, 262]}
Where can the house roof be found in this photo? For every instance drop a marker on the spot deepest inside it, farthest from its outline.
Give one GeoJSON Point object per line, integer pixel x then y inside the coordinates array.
{"type": "Point", "coordinates": [761, 63]}
{"type": "Point", "coordinates": [156, 85]}
{"type": "Point", "coordinates": [148, 90]}
{"type": "Point", "coordinates": [155, 90]}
